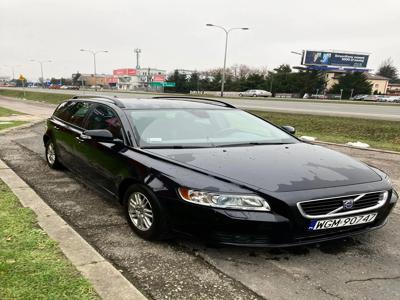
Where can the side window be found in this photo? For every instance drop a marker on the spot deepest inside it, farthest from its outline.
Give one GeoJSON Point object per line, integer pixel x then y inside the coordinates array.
{"type": "Point", "coordinates": [62, 108]}
{"type": "Point", "coordinates": [73, 112]}
{"type": "Point", "coordinates": [78, 113]}
{"type": "Point", "coordinates": [103, 117]}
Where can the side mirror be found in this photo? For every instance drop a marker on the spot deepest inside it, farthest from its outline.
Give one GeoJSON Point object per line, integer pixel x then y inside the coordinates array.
{"type": "Point", "coordinates": [289, 129]}
{"type": "Point", "coordinates": [101, 135]}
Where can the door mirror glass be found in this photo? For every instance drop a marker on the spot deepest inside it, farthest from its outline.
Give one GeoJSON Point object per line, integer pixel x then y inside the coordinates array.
{"type": "Point", "coordinates": [289, 129]}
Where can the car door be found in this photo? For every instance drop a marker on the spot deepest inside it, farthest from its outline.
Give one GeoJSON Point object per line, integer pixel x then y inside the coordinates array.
{"type": "Point", "coordinates": [102, 161]}
{"type": "Point", "coordinates": [67, 126]}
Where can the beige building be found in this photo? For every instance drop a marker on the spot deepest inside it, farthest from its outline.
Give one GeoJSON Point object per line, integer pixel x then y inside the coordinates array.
{"type": "Point", "coordinates": [379, 83]}
{"type": "Point", "coordinates": [89, 79]}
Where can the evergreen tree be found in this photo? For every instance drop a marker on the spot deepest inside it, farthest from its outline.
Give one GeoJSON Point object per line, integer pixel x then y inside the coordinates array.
{"type": "Point", "coordinates": [356, 81]}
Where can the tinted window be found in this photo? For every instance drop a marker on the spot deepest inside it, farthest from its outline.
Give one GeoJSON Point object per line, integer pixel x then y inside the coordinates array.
{"type": "Point", "coordinates": [103, 117]}
{"type": "Point", "coordinates": [61, 109]}
{"type": "Point", "coordinates": [73, 112]}
{"type": "Point", "coordinates": [78, 113]}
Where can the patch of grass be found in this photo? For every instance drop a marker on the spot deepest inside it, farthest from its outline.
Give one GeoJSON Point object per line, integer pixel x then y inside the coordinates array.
{"type": "Point", "coordinates": [377, 133]}
{"type": "Point", "coordinates": [5, 112]}
{"type": "Point", "coordinates": [31, 264]}
{"type": "Point", "coordinates": [52, 98]}
{"type": "Point", "coordinates": [9, 124]}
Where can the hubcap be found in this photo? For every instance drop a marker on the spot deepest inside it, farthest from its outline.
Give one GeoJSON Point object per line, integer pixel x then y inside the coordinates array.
{"type": "Point", "coordinates": [51, 154]}
{"type": "Point", "coordinates": [140, 211]}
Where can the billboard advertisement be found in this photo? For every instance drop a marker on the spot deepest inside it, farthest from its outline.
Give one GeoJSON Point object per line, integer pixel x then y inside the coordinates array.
{"type": "Point", "coordinates": [121, 72]}
{"type": "Point", "coordinates": [327, 58]}
{"type": "Point", "coordinates": [111, 79]}
{"type": "Point", "coordinates": [159, 78]}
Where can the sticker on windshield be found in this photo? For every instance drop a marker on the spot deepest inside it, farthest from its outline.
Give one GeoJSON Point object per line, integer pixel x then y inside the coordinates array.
{"type": "Point", "coordinates": [153, 140]}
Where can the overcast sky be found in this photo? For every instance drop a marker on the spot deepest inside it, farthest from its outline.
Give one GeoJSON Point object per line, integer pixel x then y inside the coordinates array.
{"type": "Point", "coordinates": [172, 33]}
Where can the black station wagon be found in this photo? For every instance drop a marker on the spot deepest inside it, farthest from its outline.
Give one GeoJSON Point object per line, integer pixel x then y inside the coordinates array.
{"type": "Point", "coordinates": [205, 168]}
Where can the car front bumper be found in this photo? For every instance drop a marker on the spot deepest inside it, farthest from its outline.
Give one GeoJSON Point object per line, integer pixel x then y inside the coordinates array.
{"type": "Point", "coordinates": [264, 229]}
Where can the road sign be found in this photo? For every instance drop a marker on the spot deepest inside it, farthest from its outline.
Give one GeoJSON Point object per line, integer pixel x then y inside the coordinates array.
{"type": "Point", "coordinates": [21, 77]}
{"type": "Point", "coordinates": [164, 84]}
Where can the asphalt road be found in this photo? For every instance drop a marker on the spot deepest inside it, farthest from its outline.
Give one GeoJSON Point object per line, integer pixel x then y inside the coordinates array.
{"type": "Point", "coordinates": [377, 111]}
{"type": "Point", "coordinates": [362, 267]}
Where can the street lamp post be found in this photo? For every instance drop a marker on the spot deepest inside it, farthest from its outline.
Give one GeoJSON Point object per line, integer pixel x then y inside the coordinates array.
{"type": "Point", "coordinates": [94, 53]}
{"type": "Point", "coordinates": [41, 62]}
{"type": "Point", "coordinates": [341, 94]}
{"type": "Point", "coordinates": [227, 31]}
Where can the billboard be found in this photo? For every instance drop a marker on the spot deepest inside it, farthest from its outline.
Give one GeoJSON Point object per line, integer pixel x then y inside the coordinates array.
{"type": "Point", "coordinates": [329, 58]}
{"type": "Point", "coordinates": [159, 78]}
{"type": "Point", "coordinates": [121, 72]}
{"type": "Point", "coordinates": [111, 79]}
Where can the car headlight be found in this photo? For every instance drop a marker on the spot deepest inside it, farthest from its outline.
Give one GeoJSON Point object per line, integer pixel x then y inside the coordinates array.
{"type": "Point", "coordinates": [232, 201]}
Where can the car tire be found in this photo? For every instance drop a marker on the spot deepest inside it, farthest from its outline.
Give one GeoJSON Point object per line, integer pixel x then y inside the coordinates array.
{"type": "Point", "coordinates": [52, 156]}
{"type": "Point", "coordinates": [145, 214]}
{"type": "Point", "coordinates": [254, 95]}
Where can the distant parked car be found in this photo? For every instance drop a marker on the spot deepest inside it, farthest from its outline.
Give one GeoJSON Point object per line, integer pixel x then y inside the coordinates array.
{"type": "Point", "coordinates": [54, 86]}
{"type": "Point", "coordinates": [360, 97]}
{"type": "Point", "coordinates": [69, 87]}
{"type": "Point", "coordinates": [371, 98]}
{"type": "Point", "coordinates": [255, 93]}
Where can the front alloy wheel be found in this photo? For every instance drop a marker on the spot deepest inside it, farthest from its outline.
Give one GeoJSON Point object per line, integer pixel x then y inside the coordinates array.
{"type": "Point", "coordinates": [140, 211]}
{"type": "Point", "coordinates": [145, 214]}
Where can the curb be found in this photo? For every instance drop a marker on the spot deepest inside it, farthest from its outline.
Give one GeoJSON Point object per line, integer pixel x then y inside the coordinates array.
{"type": "Point", "coordinates": [352, 147]}
{"type": "Point", "coordinates": [107, 281]}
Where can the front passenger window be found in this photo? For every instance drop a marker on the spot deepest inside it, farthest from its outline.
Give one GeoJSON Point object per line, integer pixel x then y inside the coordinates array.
{"type": "Point", "coordinates": [103, 117]}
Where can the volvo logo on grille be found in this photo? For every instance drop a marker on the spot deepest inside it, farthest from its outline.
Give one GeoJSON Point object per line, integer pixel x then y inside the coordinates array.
{"type": "Point", "coordinates": [348, 204]}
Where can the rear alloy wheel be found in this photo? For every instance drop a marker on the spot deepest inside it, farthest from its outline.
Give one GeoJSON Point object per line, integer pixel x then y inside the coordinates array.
{"type": "Point", "coordinates": [254, 95]}
{"type": "Point", "coordinates": [51, 156]}
{"type": "Point", "coordinates": [145, 214]}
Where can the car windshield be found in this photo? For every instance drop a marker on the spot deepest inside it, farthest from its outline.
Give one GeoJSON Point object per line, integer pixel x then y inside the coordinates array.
{"type": "Point", "coordinates": [180, 128]}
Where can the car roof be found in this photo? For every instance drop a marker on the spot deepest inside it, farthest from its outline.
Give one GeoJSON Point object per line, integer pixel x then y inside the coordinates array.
{"type": "Point", "coordinates": [159, 102]}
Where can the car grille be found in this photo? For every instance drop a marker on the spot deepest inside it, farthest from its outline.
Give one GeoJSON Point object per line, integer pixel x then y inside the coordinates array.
{"type": "Point", "coordinates": [342, 205]}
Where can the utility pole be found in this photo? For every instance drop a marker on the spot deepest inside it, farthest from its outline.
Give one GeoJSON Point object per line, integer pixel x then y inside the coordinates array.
{"type": "Point", "coordinates": [227, 31]}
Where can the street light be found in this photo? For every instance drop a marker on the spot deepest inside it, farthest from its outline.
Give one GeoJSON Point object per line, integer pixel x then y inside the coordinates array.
{"type": "Point", "coordinates": [297, 53]}
{"type": "Point", "coordinates": [227, 31]}
{"type": "Point", "coordinates": [41, 62]}
{"type": "Point", "coordinates": [94, 53]}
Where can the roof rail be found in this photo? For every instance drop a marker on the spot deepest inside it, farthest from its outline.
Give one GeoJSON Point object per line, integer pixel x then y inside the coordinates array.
{"type": "Point", "coordinates": [199, 99]}
{"type": "Point", "coordinates": [114, 99]}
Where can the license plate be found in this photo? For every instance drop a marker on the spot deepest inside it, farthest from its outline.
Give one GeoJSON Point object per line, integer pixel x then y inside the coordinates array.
{"type": "Point", "coordinates": [341, 222]}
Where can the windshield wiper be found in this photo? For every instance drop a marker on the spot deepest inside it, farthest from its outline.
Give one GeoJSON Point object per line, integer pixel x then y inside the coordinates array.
{"type": "Point", "coordinates": [173, 147]}
{"type": "Point", "coordinates": [251, 144]}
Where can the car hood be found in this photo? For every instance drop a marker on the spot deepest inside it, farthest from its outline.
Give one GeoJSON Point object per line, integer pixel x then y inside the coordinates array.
{"type": "Point", "coordinates": [276, 168]}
